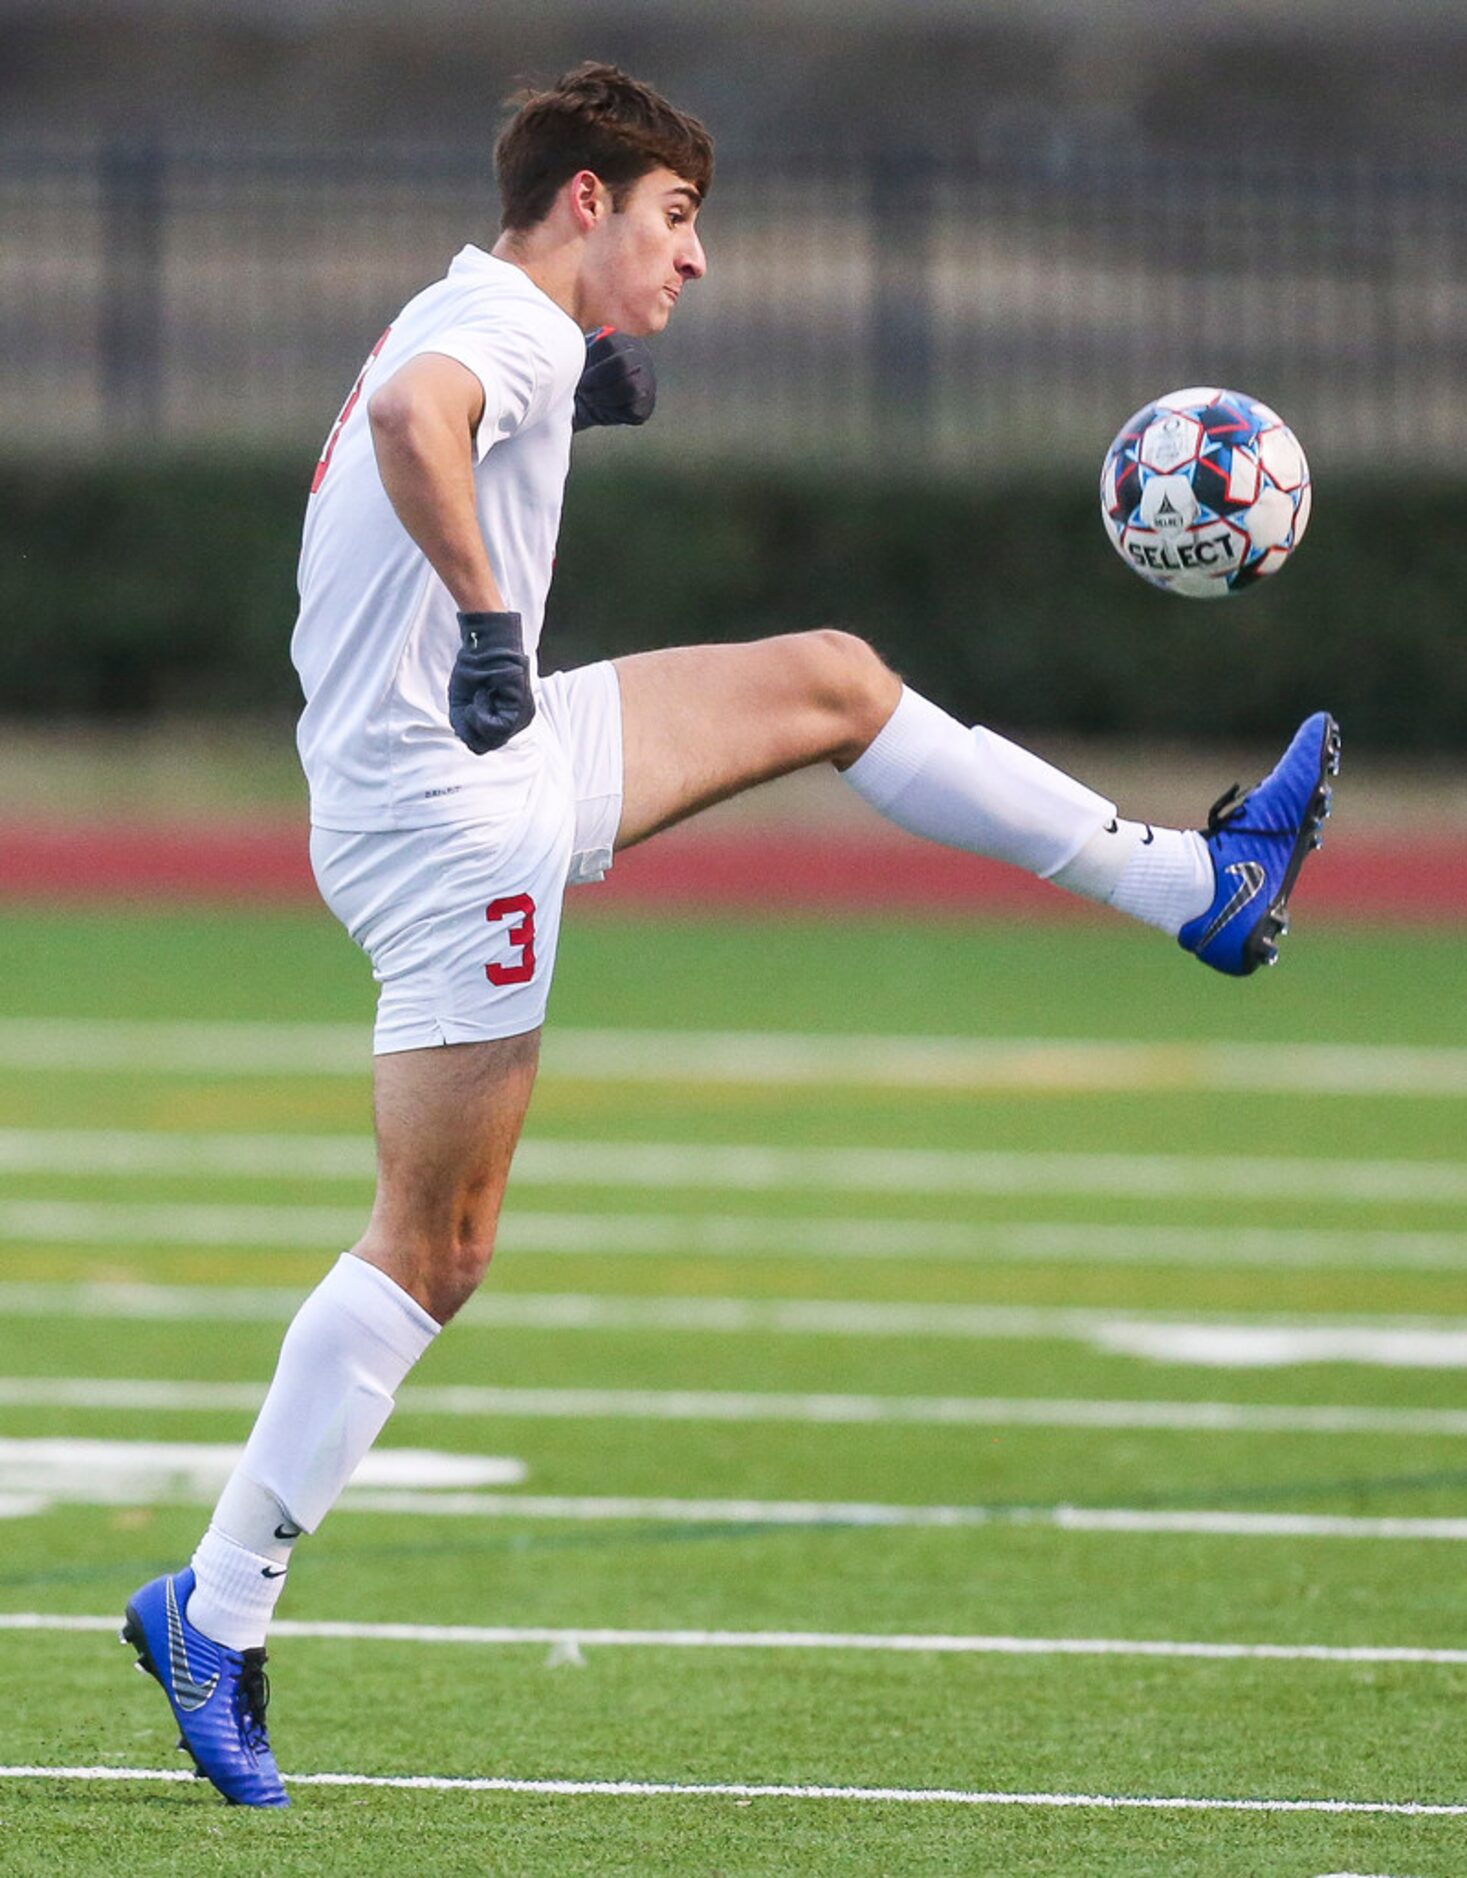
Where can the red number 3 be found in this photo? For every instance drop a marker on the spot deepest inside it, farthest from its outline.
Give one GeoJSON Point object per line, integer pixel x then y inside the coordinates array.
{"type": "Point", "coordinates": [522, 937]}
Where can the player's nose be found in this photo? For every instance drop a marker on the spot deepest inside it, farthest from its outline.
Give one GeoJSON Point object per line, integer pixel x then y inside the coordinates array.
{"type": "Point", "coordinates": [693, 262]}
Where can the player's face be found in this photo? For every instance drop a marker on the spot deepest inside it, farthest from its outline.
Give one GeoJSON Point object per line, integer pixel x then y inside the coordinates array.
{"type": "Point", "coordinates": [642, 256]}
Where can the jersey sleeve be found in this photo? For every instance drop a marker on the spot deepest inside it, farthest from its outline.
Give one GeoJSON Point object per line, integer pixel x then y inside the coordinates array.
{"type": "Point", "coordinates": [512, 362]}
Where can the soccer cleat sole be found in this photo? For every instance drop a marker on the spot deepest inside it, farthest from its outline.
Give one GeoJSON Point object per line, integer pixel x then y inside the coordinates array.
{"type": "Point", "coordinates": [1262, 945]}
{"type": "Point", "coordinates": [131, 1634]}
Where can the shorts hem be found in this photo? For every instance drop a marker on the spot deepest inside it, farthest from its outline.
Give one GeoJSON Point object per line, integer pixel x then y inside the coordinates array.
{"type": "Point", "coordinates": [434, 1033]}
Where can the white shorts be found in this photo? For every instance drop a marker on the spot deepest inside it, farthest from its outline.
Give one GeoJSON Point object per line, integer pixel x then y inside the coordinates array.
{"type": "Point", "coordinates": [461, 922]}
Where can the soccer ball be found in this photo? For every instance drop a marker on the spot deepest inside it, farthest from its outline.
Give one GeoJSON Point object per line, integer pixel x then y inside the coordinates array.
{"type": "Point", "coordinates": [1205, 492]}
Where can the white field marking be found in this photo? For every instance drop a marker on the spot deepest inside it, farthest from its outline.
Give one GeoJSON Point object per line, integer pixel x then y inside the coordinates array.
{"type": "Point", "coordinates": [677, 1165]}
{"type": "Point", "coordinates": [119, 1473]}
{"type": "Point", "coordinates": [670, 1789]}
{"type": "Point", "coordinates": [102, 1473]}
{"type": "Point", "coordinates": [150, 1152]}
{"type": "Point", "coordinates": [127, 1222]}
{"type": "Point", "coordinates": [1418, 1341]}
{"type": "Point", "coordinates": [226, 1049]}
{"type": "Point", "coordinates": [1238, 1179]}
{"type": "Point", "coordinates": [869, 1514]}
{"type": "Point", "coordinates": [707, 1405]}
{"type": "Point", "coordinates": [1219, 1248]}
{"type": "Point", "coordinates": [1264, 1346]}
{"type": "Point", "coordinates": [1061, 1065]}
{"type": "Point", "coordinates": [877, 1643]}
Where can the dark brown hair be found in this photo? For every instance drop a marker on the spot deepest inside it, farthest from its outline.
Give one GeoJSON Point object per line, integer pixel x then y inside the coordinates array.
{"type": "Point", "coordinates": [595, 118]}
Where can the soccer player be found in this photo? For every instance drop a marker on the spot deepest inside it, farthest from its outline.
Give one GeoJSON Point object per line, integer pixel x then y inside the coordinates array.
{"type": "Point", "coordinates": [456, 792]}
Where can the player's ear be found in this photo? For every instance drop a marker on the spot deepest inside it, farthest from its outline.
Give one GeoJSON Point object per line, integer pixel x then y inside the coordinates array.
{"type": "Point", "coordinates": [588, 198]}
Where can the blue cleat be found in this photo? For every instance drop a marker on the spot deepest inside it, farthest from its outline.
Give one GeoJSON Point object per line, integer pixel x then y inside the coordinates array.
{"type": "Point", "coordinates": [218, 1696]}
{"type": "Point", "coordinates": [1258, 844]}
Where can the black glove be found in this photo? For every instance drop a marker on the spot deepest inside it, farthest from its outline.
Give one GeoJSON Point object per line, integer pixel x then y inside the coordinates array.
{"type": "Point", "coordinates": [618, 384]}
{"type": "Point", "coordinates": [489, 697]}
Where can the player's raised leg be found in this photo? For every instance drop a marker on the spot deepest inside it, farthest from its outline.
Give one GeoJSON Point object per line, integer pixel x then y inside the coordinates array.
{"type": "Point", "coordinates": [447, 1121]}
{"type": "Point", "coordinates": [701, 723]}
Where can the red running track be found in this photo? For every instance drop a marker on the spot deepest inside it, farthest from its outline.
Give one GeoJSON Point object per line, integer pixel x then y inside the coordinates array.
{"type": "Point", "coordinates": [1365, 878]}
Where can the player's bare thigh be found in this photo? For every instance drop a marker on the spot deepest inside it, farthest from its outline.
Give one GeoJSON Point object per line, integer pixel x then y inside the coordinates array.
{"type": "Point", "coordinates": [448, 1121]}
{"type": "Point", "coordinates": [701, 723]}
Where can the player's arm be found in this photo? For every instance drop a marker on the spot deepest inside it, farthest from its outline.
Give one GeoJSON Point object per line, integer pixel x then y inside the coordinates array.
{"type": "Point", "coordinates": [423, 423]}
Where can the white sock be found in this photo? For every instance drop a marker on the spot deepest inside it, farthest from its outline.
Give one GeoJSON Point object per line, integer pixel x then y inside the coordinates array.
{"type": "Point", "coordinates": [973, 789]}
{"type": "Point", "coordinates": [1163, 876]}
{"type": "Point", "coordinates": [235, 1590]}
{"type": "Point", "coordinates": [343, 1359]}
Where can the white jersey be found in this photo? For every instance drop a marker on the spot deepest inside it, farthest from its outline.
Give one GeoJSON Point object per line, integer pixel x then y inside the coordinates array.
{"type": "Point", "coordinates": [377, 633]}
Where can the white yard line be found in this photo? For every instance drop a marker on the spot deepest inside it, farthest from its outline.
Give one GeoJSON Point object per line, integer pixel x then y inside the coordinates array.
{"type": "Point", "coordinates": [668, 1789]}
{"type": "Point", "coordinates": [36, 1473]}
{"type": "Point", "coordinates": [103, 1472]}
{"type": "Point", "coordinates": [1061, 1065]}
{"type": "Point", "coordinates": [1264, 1346]}
{"type": "Point", "coordinates": [1219, 1248]}
{"type": "Point", "coordinates": [460, 1400]}
{"type": "Point", "coordinates": [228, 1049]}
{"type": "Point", "coordinates": [594, 1636]}
{"type": "Point", "coordinates": [869, 1514]}
{"type": "Point", "coordinates": [1411, 1342]}
{"type": "Point", "coordinates": [672, 1166]}
{"type": "Point", "coordinates": [312, 1226]}
{"type": "Point", "coordinates": [129, 1222]}
{"type": "Point", "coordinates": [151, 1152]}
{"type": "Point", "coordinates": [1237, 1179]}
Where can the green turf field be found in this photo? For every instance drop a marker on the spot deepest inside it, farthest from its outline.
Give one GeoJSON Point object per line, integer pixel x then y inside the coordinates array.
{"type": "Point", "coordinates": [1084, 1301]}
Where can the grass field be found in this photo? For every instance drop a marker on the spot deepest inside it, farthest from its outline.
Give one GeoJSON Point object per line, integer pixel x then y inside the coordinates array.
{"type": "Point", "coordinates": [1054, 1400]}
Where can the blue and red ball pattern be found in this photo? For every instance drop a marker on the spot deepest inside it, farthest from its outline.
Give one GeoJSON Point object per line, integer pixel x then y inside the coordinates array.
{"type": "Point", "coordinates": [1205, 492]}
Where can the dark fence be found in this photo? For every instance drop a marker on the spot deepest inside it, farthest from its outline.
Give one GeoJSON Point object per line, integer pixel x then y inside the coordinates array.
{"type": "Point", "coordinates": [993, 311]}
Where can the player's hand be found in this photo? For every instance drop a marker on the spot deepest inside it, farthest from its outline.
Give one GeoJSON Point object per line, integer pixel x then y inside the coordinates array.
{"type": "Point", "coordinates": [618, 384]}
{"type": "Point", "coordinates": [489, 696]}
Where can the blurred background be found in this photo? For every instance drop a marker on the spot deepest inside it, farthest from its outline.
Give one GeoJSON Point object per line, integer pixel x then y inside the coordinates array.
{"type": "Point", "coordinates": [953, 245]}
